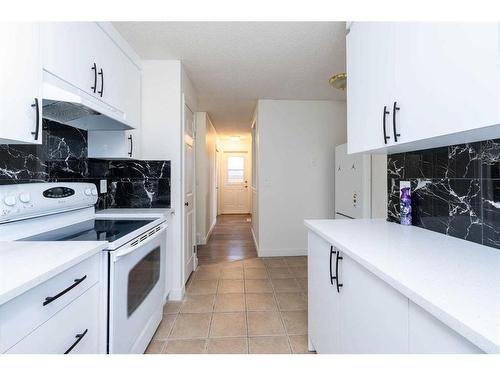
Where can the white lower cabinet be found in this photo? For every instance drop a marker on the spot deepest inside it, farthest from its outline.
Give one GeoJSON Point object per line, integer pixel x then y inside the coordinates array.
{"type": "Point", "coordinates": [373, 315]}
{"type": "Point", "coordinates": [323, 299]}
{"type": "Point", "coordinates": [50, 317]}
{"type": "Point", "coordinates": [75, 329]}
{"type": "Point", "coordinates": [427, 335]}
{"type": "Point", "coordinates": [365, 315]}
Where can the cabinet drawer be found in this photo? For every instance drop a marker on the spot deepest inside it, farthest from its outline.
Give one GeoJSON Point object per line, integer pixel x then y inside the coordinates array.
{"type": "Point", "coordinates": [74, 329]}
{"type": "Point", "coordinates": [21, 316]}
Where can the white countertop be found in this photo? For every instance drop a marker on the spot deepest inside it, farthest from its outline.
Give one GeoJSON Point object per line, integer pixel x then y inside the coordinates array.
{"type": "Point", "coordinates": [455, 280]}
{"type": "Point", "coordinates": [24, 265]}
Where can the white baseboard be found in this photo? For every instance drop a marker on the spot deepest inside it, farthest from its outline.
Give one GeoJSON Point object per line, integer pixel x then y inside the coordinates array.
{"type": "Point", "coordinates": [176, 294]}
{"type": "Point", "coordinates": [281, 252]}
{"type": "Point", "coordinates": [210, 231]}
{"type": "Point", "coordinates": [203, 240]}
{"type": "Point", "coordinates": [254, 240]}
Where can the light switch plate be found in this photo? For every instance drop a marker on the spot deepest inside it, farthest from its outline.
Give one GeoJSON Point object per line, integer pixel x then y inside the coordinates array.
{"type": "Point", "coordinates": [103, 186]}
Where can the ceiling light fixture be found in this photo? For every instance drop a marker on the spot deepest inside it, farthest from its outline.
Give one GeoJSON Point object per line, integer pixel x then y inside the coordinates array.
{"type": "Point", "coordinates": [339, 81]}
{"type": "Point", "coordinates": [235, 138]}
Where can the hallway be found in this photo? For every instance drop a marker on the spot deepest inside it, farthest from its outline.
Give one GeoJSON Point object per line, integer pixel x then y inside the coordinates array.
{"type": "Point", "coordinates": [237, 303]}
{"type": "Point", "coordinates": [231, 239]}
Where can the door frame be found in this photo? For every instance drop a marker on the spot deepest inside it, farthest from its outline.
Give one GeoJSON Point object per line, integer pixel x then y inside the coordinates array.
{"type": "Point", "coordinates": [248, 172]}
{"type": "Point", "coordinates": [217, 179]}
{"type": "Point", "coordinates": [183, 189]}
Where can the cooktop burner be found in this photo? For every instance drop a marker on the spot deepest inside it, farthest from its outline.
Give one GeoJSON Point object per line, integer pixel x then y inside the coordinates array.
{"type": "Point", "coordinates": [92, 230]}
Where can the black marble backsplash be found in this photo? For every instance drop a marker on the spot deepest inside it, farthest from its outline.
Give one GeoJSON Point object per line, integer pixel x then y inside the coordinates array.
{"type": "Point", "coordinates": [62, 156]}
{"type": "Point", "coordinates": [455, 190]}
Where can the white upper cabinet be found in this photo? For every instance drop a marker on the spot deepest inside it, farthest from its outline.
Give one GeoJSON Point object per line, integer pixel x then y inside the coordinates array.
{"type": "Point", "coordinates": [440, 83]}
{"type": "Point", "coordinates": [20, 83]}
{"type": "Point", "coordinates": [369, 48]}
{"type": "Point", "coordinates": [70, 52]}
{"type": "Point", "coordinates": [83, 55]}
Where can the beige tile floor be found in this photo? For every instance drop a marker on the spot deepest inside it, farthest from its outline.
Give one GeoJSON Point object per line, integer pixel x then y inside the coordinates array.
{"type": "Point", "coordinates": [254, 306]}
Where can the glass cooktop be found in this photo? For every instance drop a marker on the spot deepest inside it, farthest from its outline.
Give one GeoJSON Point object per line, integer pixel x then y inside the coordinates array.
{"type": "Point", "coordinates": [92, 230]}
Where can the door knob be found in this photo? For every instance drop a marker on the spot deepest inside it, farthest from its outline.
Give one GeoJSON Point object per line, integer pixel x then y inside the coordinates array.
{"type": "Point", "coordinates": [186, 204]}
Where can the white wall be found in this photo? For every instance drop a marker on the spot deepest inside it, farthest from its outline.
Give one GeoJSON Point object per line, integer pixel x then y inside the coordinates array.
{"type": "Point", "coordinates": [206, 194]}
{"type": "Point", "coordinates": [296, 150]}
{"type": "Point", "coordinates": [163, 86]}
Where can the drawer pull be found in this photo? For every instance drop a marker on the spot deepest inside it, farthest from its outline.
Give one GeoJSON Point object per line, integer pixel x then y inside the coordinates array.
{"type": "Point", "coordinates": [339, 285]}
{"type": "Point", "coordinates": [50, 299]}
{"type": "Point", "coordinates": [395, 108]}
{"type": "Point", "coordinates": [78, 338]}
{"type": "Point", "coordinates": [331, 256]}
{"type": "Point", "coordinates": [385, 113]}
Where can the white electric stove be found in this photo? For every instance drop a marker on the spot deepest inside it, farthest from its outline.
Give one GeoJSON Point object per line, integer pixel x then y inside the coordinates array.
{"type": "Point", "coordinates": [134, 261]}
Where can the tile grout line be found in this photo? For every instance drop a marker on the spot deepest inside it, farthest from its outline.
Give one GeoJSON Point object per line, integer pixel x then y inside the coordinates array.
{"type": "Point", "coordinates": [279, 312]}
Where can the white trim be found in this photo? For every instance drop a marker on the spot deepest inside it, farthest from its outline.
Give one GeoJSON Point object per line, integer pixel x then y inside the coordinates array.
{"type": "Point", "coordinates": [255, 240]}
{"type": "Point", "coordinates": [210, 231]}
{"type": "Point", "coordinates": [281, 252]}
{"type": "Point", "coordinates": [176, 294]}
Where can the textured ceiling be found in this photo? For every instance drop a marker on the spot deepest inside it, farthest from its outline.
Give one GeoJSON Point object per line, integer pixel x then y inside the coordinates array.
{"type": "Point", "coordinates": [232, 64]}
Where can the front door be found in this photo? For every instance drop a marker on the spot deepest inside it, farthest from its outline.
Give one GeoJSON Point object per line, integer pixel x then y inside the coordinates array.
{"type": "Point", "coordinates": [235, 178]}
{"type": "Point", "coordinates": [189, 222]}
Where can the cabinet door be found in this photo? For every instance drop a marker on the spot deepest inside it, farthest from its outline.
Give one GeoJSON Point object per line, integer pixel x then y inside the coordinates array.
{"type": "Point", "coordinates": [20, 83]}
{"type": "Point", "coordinates": [114, 144]}
{"type": "Point", "coordinates": [429, 336]}
{"type": "Point", "coordinates": [70, 50]}
{"type": "Point", "coordinates": [370, 83]}
{"type": "Point", "coordinates": [448, 78]}
{"type": "Point", "coordinates": [323, 299]}
{"type": "Point", "coordinates": [119, 80]}
{"type": "Point", "coordinates": [373, 315]}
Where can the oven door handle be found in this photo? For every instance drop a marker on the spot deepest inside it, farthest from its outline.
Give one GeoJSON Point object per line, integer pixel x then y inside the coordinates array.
{"type": "Point", "coordinates": [141, 240]}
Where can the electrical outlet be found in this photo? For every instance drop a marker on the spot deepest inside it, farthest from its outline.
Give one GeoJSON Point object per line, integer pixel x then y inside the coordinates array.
{"type": "Point", "coordinates": [103, 187]}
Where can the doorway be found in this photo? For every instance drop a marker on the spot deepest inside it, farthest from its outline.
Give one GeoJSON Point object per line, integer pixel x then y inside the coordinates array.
{"type": "Point", "coordinates": [235, 174]}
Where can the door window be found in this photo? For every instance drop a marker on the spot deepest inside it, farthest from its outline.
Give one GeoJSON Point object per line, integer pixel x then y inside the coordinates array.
{"type": "Point", "coordinates": [142, 278]}
{"type": "Point", "coordinates": [235, 169]}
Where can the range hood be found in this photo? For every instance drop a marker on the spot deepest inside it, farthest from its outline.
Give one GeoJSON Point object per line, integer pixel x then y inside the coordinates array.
{"type": "Point", "coordinates": [66, 104]}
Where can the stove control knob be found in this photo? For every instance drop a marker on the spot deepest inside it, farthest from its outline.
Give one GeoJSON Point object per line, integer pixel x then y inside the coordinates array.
{"type": "Point", "coordinates": [10, 200]}
{"type": "Point", "coordinates": [94, 191]}
{"type": "Point", "coordinates": [88, 191]}
{"type": "Point", "coordinates": [24, 197]}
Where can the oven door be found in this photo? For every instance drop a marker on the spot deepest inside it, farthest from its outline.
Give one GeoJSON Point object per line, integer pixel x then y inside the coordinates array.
{"type": "Point", "coordinates": [137, 282]}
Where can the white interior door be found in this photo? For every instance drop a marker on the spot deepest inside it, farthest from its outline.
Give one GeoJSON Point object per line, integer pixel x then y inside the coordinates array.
{"type": "Point", "coordinates": [189, 198]}
{"type": "Point", "coordinates": [235, 187]}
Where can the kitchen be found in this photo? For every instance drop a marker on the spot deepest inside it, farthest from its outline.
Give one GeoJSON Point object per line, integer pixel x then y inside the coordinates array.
{"type": "Point", "coordinates": [394, 249]}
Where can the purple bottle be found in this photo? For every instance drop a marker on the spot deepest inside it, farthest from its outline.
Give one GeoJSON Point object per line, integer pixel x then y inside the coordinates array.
{"type": "Point", "coordinates": [405, 205]}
